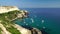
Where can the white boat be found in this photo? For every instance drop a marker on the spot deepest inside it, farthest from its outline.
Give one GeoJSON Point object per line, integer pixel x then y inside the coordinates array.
{"type": "Point", "coordinates": [42, 21]}
{"type": "Point", "coordinates": [32, 20]}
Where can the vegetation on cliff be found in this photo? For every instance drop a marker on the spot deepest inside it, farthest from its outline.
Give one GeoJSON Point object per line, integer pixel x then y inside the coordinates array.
{"type": "Point", "coordinates": [0, 30]}
{"type": "Point", "coordinates": [7, 20]}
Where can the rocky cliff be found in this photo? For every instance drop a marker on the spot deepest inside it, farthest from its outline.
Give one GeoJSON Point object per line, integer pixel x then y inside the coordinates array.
{"type": "Point", "coordinates": [10, 13]}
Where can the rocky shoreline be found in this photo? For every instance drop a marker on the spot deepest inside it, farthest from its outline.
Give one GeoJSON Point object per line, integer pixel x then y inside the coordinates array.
{"type": "Point", "coordinates": [10, 13]}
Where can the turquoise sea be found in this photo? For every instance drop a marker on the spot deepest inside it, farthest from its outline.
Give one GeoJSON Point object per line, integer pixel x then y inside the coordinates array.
{"type": "Point", "coordinates": [45, 19]}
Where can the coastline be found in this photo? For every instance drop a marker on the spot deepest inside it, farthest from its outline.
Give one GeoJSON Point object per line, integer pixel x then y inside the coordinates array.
{"type": "Point", "coordinates": [7, 25]}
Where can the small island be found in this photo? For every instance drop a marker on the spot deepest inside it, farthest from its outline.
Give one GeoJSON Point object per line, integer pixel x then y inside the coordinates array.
{"type": "Point", "coordinates": [7, 15]}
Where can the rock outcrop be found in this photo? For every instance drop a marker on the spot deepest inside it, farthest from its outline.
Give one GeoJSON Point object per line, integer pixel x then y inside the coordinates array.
{"type": "Point", "coordinates": [10, 13]}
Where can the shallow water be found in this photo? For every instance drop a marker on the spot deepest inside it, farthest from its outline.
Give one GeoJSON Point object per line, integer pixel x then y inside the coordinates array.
{"type": "Point", "coordinates": [51, 17]}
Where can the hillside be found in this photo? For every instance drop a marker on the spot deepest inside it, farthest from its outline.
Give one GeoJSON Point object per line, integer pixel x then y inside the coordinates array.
{"type": "Point", "coordinates": [7, 15]}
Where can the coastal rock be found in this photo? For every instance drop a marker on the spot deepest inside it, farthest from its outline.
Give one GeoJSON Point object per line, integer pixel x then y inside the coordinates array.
{"type": "Point", "coordinates": [36, 31]}
{"type": "Point", "coordinates": [24, 30]}
{"type": "Point", "coordinates": [32, 29]}
{"type": "Point", "coordinates": [10, 13]}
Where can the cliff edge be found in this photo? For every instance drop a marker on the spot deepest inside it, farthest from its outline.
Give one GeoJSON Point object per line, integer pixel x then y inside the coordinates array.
{"type": "Point", "coordinates": [10, 13]}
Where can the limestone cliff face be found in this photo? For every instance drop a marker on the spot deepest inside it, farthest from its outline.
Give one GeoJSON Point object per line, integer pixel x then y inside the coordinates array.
{"type": "Point", "coordinates": [7, 26]}
{"type": "Point", "coordinates": [4, 9]}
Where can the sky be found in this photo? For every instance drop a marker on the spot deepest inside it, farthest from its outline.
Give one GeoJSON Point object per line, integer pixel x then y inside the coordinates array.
{"type": "Point", "coordinates": [31, 3]}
